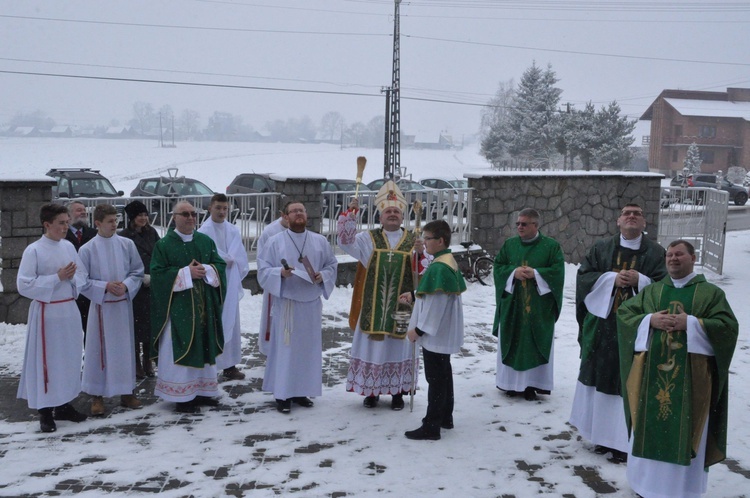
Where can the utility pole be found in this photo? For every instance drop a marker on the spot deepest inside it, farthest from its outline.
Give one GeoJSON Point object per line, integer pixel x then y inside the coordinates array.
{"type": "Point", "coordinates": [392, 162]}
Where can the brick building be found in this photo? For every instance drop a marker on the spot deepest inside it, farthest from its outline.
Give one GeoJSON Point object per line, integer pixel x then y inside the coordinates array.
{"type": "Point", "coordinates": [718, 122]}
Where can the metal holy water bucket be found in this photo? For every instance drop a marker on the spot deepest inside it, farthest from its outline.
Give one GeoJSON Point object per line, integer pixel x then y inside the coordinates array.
{"type": "Point", "coordinates": [401, 316]}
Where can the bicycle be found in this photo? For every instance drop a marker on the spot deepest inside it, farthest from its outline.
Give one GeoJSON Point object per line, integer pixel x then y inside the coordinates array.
{"type": "Point", "coordinates": [476, 265]}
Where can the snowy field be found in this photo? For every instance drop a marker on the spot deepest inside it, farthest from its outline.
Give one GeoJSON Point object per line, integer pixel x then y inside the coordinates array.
{"type": "Point", "coordinates": [499, 447]}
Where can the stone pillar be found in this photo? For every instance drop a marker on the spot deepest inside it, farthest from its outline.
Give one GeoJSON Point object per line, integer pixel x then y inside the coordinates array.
{"type": "Point", "coordinates": [20, 201]}
{"type": "Point", "coordinates": [576, 208]}
{"type": "Point", "coordinates": [306, 190]}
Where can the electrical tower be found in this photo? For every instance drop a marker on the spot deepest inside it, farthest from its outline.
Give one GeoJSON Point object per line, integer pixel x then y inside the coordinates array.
{"type": "Point", "coordinates": [392, 162]}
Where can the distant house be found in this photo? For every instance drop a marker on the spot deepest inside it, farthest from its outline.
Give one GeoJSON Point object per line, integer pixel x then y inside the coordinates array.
{"type": "Point", "coordinates": [61, 131]}
{"type": "Point", "coordinates": [6, 131]}
{"type": "Point", "coordinates": [25, 131]}
{"type": "Point", "coordinates": [718, 122]}
{"type": "Point", "coordinates": [119, 132]}
{"type": "Point", "coordinates": [441, 141]}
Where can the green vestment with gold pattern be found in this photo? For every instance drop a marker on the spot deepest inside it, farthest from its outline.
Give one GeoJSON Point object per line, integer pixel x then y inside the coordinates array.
{"type": "Point", "coordinates": [388, 276]}
{"type": "Point", "coordinates": [668, 392]}
{"type": "Point", "coordinates": [524, 319]}
{"type": "Point", "coordinates": [195, 314]}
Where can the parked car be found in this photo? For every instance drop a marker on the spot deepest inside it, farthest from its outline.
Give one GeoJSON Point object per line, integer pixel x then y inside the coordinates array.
{"type": "Point", "coordinates": [341, 200]}
{"type": "Point", "coordinates": [737, 193]}
{"type": "Point", "coordinates": [81, 182]}
{"type": "Point", "coordinates": [459, 198]}
{"type": "Point", "coordinates": [254, 183]}
{"type": "Point", "coordinates": [173, 186]}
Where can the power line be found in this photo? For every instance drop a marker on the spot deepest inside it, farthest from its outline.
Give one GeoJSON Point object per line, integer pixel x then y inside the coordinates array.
{"type": "Point", "coordinates": [576, 52]}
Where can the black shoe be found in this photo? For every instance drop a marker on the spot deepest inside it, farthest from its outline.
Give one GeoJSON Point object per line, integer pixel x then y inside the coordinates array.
{"type": "Point", "coordinates": [529, 394]}
{"type": "Point", "coordinates": [46, 420]}
{"type": "Point", "coordinates": [303, 401]}
{"type": "Point", "coordinates": [205, 401]}
{"type": "Point", "coordinates": [233, 373]}
{"type": "Point", "coordinates": [67, 412]}
{"type": "Point", "coordinates": [601, 450]}
{"type": "Point", "coordinates": [619, 457]}
{"type": "Point", "coordinates": [422, 434]}
{"type": "Point", "coordinates": [187, 407]}
{"type": "Point", "coordinates": [397, 402]}
{"type": "Point", "coordinates": [447, 424]}
{"type": "Point", "coordinates": [511, 394]}
{"type": "Point", "coordinates": [371, 401]}
{"type": "Point", "coordinates": [284, 405]}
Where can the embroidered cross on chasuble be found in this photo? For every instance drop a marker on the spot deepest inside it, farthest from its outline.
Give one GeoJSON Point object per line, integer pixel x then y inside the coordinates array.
{"type": "Point", "coordinates": [388, 275]}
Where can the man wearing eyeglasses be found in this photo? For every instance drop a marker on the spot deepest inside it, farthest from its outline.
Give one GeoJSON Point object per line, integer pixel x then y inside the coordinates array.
{"type": "Point", "coordinates": [188, 287]}
{"type": "Point", "coordinates": [529, 275]}
{"type": "Point", "coordinates": [614, 270]}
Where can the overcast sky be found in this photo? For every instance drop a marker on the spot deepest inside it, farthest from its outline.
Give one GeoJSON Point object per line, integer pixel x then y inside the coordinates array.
{"type": "Point", "coordinates": [451, 50]}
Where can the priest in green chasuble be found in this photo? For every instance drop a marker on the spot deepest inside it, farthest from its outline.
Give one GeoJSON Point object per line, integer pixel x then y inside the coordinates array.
{"type": "Point", "coordinates": [676, 338]}
{"type": "Point", "coordinates": [614, 270]}
{"type": "Point", "coordinates": [188, 286]}
{"type": "Point", "coordinates": [529, 274]}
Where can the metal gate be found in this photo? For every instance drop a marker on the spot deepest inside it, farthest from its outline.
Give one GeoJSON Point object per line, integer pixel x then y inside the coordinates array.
{"type": "Point", "coordinates": [698, 215]}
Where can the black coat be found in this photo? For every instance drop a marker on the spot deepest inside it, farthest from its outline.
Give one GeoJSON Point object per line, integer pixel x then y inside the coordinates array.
{"type": "Point", "coordinates": [88, 234]}
{"type": "Point", "coordinates": [144, 242]}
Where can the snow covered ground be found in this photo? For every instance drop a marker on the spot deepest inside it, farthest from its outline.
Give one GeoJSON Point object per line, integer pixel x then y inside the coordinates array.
{"type": "Point", "coordinates": [499, 447]}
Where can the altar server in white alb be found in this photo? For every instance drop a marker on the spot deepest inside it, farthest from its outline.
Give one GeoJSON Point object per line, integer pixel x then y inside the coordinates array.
{"type": "Point", "coordinates": [51, 275]}
{"type": "Point", "coordinates": [115, 273]}
{"type": "Point", "coordinates": [228, 242]}
{"type": "Point", "coordinates": [297, 267]}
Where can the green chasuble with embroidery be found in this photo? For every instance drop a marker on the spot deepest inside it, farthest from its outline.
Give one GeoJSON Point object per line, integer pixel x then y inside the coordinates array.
{"type": "Point", "coordinates": [442, 276]}
{"type": "Point", "coordinates": [600, 360]}
{"type": "Point", "coordinates": [524, 319]}
{"type": "Point", "coordinates": [197, 333]}
{"type": "Point", "coordinates": [668, 392]}
{"type": "Point", "coordinates": [388, 276]}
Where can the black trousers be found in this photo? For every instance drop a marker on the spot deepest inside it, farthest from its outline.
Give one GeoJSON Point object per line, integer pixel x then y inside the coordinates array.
{"type": "Point", "coordinates": [439, 374]}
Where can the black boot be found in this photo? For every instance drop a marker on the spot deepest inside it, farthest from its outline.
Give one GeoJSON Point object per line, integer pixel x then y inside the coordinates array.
{"type": "Point", "coordinates": [67, 412]}
{"type": "Point", "coordinates": [46, 420]}
{"type": "Point", "coordinates": [423, 434]}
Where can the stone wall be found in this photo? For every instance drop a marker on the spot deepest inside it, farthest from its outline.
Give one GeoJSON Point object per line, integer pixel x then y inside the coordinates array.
{"type": "Point", "coordinates": [576, 208]}
{"type": "Point", "coordinates": [20, 201]}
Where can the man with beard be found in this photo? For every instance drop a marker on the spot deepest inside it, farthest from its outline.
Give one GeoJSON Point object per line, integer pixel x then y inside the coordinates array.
{"type": "Point", "coordinates": [79, 232]}
{"type": "Point", "coordinates": [614, 270]}
{"type": "Point", "coordinates": [381, 360]}
{"type": "Point", "coordinates": [188, 285]}
{"type": "Point", "coordinates": [677, 338]}
{"type": "Point", "coordinates": [296, 267]}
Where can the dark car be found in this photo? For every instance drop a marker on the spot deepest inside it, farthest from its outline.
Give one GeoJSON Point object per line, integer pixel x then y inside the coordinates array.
{"type": "Point", "coordinates": [460, 198]}
{"type": "Point", "coordinates": [737, 193]}
{"type": "Point", "coordinates": [260, 208]}
{"type": "Point", "coordinates": [176, 187]}
{"type": "Point", "coordinates": [341, 200]}
{"type": "Point", "coordinates": [81, 182]}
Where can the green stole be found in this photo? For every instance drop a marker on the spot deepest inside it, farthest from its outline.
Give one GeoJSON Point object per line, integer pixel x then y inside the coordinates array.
{"type": "Point", "coordinates": [442, 276]}
{"type": "Point", "coordinates": [665, 411]}
{"type": "Point", "coordinates": [526, 320]}
{"type": "Point", "coordinates": [388, 276]}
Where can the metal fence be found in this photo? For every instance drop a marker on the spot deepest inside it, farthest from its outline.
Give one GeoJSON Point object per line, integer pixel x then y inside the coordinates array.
{"type": "Point", "coordinates": [253, 212]}
{"type": "Point", "coordinates": [698, 215]}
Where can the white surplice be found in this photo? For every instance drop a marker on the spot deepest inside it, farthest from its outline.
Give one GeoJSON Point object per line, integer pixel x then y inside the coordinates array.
{"type": "Point", "coordinates": [294, 366]}
{"type": "Point", "coordinates": [264, 331]}
{"type": "Point", "coordinates": [228, 242]}
{"type": "Point", "coordinates": [51, 373]}
{"type": "Point", "coordinates": [109, 360]}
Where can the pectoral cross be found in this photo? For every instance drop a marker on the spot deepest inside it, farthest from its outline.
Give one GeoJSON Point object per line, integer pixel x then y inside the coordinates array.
{"type": "Point", "coordinates": [390, 256]}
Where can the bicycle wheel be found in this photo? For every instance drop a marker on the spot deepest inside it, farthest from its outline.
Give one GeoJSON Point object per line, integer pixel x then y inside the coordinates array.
{"type": "Point", "coordinates": [483, 270]}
